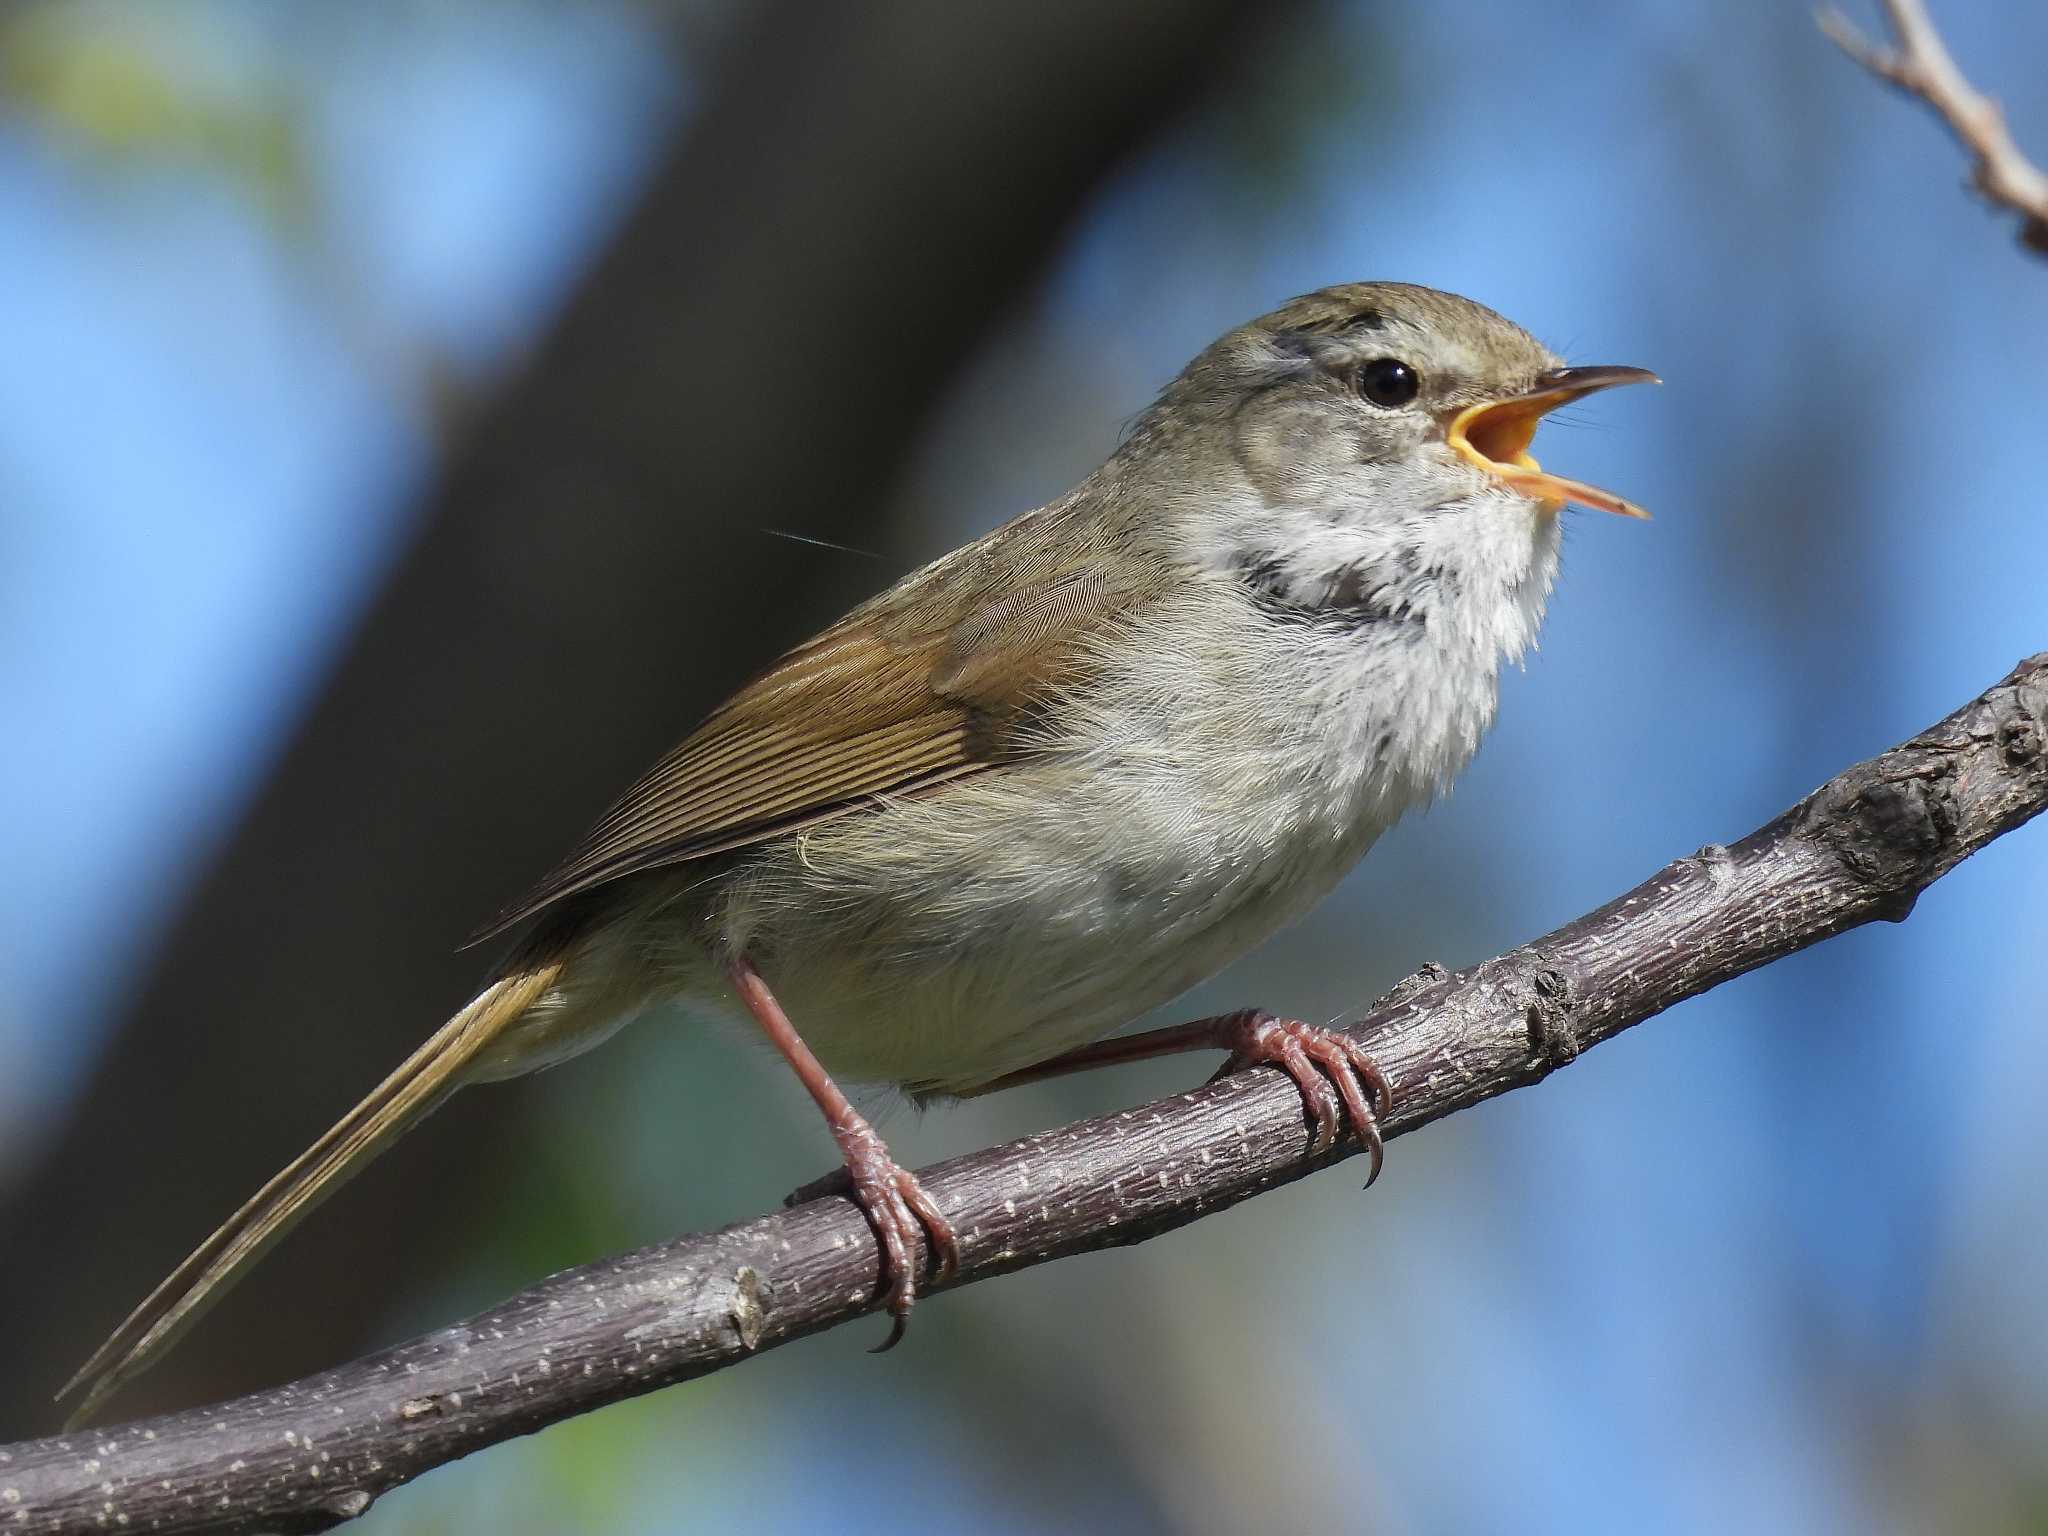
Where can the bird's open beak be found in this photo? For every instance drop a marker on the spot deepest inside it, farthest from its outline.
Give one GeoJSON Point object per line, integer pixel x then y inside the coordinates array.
{"type": "Point", "coordinates": [1495, 435]}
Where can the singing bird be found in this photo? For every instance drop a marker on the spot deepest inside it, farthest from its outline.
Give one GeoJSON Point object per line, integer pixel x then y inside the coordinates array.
{"type": "Point", "coordinates": [1056, 777]}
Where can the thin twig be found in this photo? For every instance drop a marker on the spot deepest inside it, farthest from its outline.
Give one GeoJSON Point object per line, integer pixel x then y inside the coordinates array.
{"type": "Point", "coordinates": [1921, 66]}
{"type": "Point", "coordinates": [318, 1451]}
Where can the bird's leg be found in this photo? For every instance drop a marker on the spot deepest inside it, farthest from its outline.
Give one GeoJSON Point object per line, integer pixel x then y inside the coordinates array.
{"type": "Point", "coordinates": [1331, 1070]}
{"type": "Point", "coordinates": [887, 1193]}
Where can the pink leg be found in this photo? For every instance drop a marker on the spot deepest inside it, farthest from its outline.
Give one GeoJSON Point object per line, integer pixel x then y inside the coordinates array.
{"type": "Point", "coordinates": [1201, 1035]}
{"type": "Point", "coordinates": [888, 1194]}
{"type": "Point", "coordinates": [1316, 1058]}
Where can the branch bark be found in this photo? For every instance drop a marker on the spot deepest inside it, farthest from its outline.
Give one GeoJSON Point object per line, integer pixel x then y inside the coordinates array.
{"type": "Point", "coordinates": [318, 1451]}
{"type": "Point", "coordinates": [1921, 66]}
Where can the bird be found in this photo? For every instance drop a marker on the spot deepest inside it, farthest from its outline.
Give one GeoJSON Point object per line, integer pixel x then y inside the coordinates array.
{"type": "Point", "coordinates": [1052, 779]}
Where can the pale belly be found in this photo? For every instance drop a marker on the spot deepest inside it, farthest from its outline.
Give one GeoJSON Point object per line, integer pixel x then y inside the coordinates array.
{"type": "Point", "coordinates": [941, 943]}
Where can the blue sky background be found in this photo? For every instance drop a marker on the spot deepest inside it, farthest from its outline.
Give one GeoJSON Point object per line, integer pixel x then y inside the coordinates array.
{"type": "Point", "coordinates": [1772, 1262]}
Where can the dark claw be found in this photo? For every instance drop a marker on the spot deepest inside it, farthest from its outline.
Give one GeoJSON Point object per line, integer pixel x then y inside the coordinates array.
{"type": "Point", "coordinates": [1376, 1150]}
{"type": "Point", "coordinates": [837, 1182]}
{"type": "Point", "coordinates": [899, 1324]}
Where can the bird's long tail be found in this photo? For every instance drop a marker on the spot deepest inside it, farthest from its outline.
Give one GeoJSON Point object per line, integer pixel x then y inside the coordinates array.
{"type": "Point", "coordinates": [397, 1104]}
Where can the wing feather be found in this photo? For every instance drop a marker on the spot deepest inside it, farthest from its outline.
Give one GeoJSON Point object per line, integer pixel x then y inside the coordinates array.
{"type": "Point", "coordinates": [936, 679]}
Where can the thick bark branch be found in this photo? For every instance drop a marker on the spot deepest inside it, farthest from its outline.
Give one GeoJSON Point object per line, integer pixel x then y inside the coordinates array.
{"type": "Point", "coordinates": [318, 1451]}
{"type": "Point", "coordinates": [1921, 66]}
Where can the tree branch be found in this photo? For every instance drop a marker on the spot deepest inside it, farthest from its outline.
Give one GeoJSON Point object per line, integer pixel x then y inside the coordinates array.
{"type": "Point", "coordinates": [318, 1451]}
{"type": "Point", "coordinates": [1921, 66]}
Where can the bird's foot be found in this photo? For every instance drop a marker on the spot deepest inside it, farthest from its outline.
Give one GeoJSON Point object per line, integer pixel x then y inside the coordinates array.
{"type": "Point", "coordinates": [1332, 1070]}
{"type": "Point", "coordinates": [901, 1213]}
{"type": "Point", "coordinates": [895, 1204]}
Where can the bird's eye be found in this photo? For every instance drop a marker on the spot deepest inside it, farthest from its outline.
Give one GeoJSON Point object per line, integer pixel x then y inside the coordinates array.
{"type": "Point", "coordinates": [1388, 382]}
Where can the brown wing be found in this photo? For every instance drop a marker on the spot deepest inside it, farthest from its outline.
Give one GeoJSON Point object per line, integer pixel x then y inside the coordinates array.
{"type": "Point", "coordinates": [937, 678]}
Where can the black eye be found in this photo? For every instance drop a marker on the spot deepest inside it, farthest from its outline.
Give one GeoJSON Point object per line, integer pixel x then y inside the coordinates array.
{"type": "Point", "coordinates": [1388, 382]}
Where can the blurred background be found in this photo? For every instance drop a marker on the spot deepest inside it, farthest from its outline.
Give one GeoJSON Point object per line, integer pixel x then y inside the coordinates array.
{"type": "Point", "coordinates": [414, 415]}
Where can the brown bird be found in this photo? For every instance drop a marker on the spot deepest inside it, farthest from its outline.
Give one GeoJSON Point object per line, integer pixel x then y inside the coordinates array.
{"type": "Point", "coordinates": [1056, 777]}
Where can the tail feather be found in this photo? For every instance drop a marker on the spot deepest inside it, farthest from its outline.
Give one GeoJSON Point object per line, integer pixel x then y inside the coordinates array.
{"type": "Point", "coordinates": [394, 1106]}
